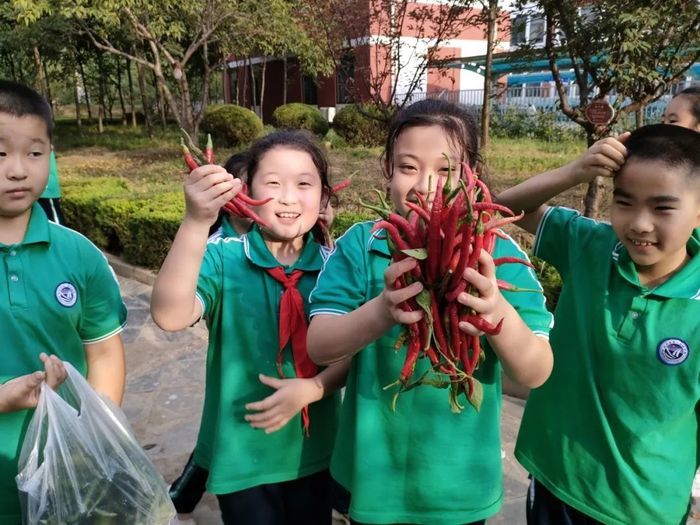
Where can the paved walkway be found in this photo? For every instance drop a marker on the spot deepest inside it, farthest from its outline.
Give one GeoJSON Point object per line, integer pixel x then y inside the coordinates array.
{"type": "Point", "coordinates": [165, 385]}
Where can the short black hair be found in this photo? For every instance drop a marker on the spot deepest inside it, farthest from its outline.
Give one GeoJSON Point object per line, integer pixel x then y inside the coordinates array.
{"type": "Point", "coordinates": [19, 100]}
{"type": "Point", "coordinates": [675, 146]}
{"type": "Point", "coordinates": [692, 95]}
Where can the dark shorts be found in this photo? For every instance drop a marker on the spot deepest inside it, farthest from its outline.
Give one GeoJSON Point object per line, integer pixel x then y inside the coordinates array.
{"type": "Point", "coordinates": [544, 508]}
{"type": "Point", "coordinates": [303, 501]}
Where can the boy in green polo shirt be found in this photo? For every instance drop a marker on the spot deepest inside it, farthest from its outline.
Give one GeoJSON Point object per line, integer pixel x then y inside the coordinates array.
{"type": "Point", "coordinates": [58, 295]}
{"type": "Point", "coordinates": [612, 436]}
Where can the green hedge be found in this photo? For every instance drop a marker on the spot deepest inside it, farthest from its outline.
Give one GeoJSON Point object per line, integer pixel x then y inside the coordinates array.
{"type": "Point", "coordinates": [138, 226]}
{"type": "Point", "coordinates": [300, 116]}
{"type": "Point", "coordinates": [358, 129]}
{"type": "Point", "coordinates": [230, 124]}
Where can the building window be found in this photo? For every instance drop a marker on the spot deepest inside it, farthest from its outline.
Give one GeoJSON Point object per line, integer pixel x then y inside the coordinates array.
{"type": "Point", "coordinates": [344, 77]}
{"type": "Point", "coordinates": [536, 31]}
{"type": "Point", "coordinates": [518, 30]}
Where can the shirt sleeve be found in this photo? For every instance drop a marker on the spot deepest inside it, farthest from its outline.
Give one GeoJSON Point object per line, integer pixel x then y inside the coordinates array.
{"type": "Point", "coordinates": [530, 305]}
{"type": "Point", "coordinates": [103, 311]}
{"type": "Point", "coordinates": [341, 286]}
{"type": "Point", "coordinates": [561, 234]}
{"type": "Point", "coordinates": [211, 277]}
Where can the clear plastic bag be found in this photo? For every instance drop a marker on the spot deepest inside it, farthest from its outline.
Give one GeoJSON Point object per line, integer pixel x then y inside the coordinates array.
{"type": "Point", "coordinates": [81, 465]}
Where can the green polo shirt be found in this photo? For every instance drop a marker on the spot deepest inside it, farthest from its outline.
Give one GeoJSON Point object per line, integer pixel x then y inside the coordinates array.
{"type": "Point", "coordinates": [57, 293]}
{"type": "Point", "coordinates": [421, 463]}
{"type": "Point", "coordinates": [241, 306]}
{"type": "Point", "coordinates": [53, 187]}
{"type": "Point", "coordinates": [614, 431]}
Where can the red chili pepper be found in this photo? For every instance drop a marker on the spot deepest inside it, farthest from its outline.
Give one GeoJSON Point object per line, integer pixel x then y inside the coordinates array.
{"type": "Point", "coordinates": [418, 210]}
{"type": "Point", "coordinates": [209, 150]}
{"type": "Point", "coordinates": [189, 159]}
{"type": "Point", "coordinates": [454, 329]}
{"type": "Point", "coordinates": [408, 230]}
{"type": "Point", "coordinates": [492, 206]}
{"type": "Point", "coordinates": [517, 260]}
{"type": "Point", "coordinates": [497, 223]}
{"type": "Point", "coordinates": [482, 324]}
{"type": "Point", "coordinates": [341, 185]}
{"type": "Point", "coordinates": [476, 354]}
{"type": "Point", "coordinates": [434, 240]}
{"type": "Point", "coordinates": [250, 201]}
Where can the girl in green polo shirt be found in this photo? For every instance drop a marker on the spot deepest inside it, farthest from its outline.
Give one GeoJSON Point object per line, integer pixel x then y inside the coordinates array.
{"type": "Point", "coordinates": [269, 418]}
{"type": "Point", "coordinates": [421, 463]}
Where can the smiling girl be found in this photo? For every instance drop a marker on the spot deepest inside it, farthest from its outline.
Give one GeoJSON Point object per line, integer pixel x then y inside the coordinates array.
{"type": "Point", "coordinates": [270, 414]}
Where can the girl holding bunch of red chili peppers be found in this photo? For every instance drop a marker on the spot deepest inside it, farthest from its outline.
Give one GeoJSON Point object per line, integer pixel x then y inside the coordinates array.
{"type": "Point", "coordinates": [270, 414]}
{"type": "Point", "coordinates": [419, 462]}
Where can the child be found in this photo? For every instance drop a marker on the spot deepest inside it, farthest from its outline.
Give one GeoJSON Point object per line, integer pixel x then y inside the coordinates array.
{"type": "Point", "coordinates": [684, 109]}
{"type": "Point", "coordinates": [59, 295]}
{"type": "Point", "coordinates": [421, 463]}
{"type": "Point", "coordinates": [50, 200]}
{"type": "Point", "coordinates": [280, 476]}
{"type": "Point", "coordinates": [612, 436]}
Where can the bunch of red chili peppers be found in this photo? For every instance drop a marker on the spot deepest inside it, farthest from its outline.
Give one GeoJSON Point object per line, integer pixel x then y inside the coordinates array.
{"type": "Point", "coordinates": [239, 204]}
{"type": "Point", "coordinates": [446, 239]}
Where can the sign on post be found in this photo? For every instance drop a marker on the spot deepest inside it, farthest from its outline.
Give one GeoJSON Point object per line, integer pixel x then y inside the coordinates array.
{"type": "Point", "coordinates": [599, 112]}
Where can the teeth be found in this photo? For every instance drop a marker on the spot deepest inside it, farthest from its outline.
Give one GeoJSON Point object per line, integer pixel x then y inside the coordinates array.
{"type": "Point", "coordinates": [288, 215]}
{"type": "Point", "coordinates": [641, 243]}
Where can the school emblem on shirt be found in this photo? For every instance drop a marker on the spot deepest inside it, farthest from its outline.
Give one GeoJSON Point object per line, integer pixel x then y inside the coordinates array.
{"type": "Point", "coordinates": [673, 351]}
{"type": "Point", "coordinates": [66, 294]}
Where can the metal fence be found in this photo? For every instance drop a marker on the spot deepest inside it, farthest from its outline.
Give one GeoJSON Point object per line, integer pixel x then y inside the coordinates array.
{"type": "Point", "coordinates": [526, 98]}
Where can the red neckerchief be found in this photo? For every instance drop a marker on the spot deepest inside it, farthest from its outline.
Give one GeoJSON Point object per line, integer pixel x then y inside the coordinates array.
{"type": "Point", "coordinates": [292, 325]}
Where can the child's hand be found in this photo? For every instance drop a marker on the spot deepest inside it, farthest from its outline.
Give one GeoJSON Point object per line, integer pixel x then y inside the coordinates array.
{"type": "Point", "coordinates": [488, 302]}
{"type": "Point", "coordinates": [23, 392]}
{"type": "Point", "coordinates": [391, 297]}
{"type": "Point", "coordinates": [290, 397]}
{"type": "Point", "coordinates": [604, 158]}
{"type": "Point", "coordinates": [327, 215]}
{"type": "Point", "coordinates": [207, 189]}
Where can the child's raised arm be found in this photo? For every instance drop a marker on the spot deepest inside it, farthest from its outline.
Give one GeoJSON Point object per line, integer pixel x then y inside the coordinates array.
{"type": "Point", "coordinates": [333, 338]}
{"type": "Point", "coordinates": [603, 158]}
{"type": "Point", "coordinates": [173, 302]}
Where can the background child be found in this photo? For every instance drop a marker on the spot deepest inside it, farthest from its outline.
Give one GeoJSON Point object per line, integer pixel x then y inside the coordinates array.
{"type": "Point", "coordinates": [279, 476]}
{"type": "Point", "coordinates": [422, 463]}
{"type": "Point", "coordinates": [50, 199]}
{"type": "Point", "coordinates": [684, 109]}
{"type": "Point", "coordinates": [60, 296]}
{"type": "Point", "coordinates": [612, 435]}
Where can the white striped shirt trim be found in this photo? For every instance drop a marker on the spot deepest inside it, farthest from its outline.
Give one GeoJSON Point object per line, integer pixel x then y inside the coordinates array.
{"type": "Point", "coordinates": [104, 337]}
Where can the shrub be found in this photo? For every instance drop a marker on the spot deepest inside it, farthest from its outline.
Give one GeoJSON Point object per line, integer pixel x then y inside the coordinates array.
{"type": "Point", "coordinates": [357, 128]}
{"type": "Point", "coordinates": [230, 124]}
{"type": "Point", "coordinates": [346, 219]}
{"type": "Point", "coordinates": [550, 280]}
{"type": "Point", "coordinates": [300, 116]}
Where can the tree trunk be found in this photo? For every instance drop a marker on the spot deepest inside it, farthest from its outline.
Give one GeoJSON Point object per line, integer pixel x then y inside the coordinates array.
{"type": "Point", "coordinates": [119, 90]}
{"type": "Point", "coordinates": [100, 94]}
{"type": "Point", "coordinates": [262, 88]}
{"type": "Point", "coordinates": [591, 202]}
{"type": "Point", "coordinates": [39, 80]}
{"type": "Point", "coordinates": [85, 89]}
{"type": "Point", "coordinates": [254, 98]}
{"type": "Point", "coordinates": [49, 96]}
{"type": "Point", "coordinates": [284, 81]}
{"type": "Point", "coordinates": [76, 97]}
{"type": "Point", "coordinates": [144, 98]}
{"type": "Point", "coordinates": [490, 43]}
{"type": "Point", "coordinates": [131, 93]}
{"type": "Point", "coordinates": [244, 77]}
{"type": "Point", "coordinates": [159, 100]}
{"type": "Point", "coordinates": [639, 117]}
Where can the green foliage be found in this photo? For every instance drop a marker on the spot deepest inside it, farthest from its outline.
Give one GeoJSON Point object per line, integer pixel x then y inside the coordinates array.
{"type": "Point", "coordinates": [300, 116]}
{"type": "Point", "coordinates": [233, 125]}
{"type": "Point", "coordinates": [543, 125]}
{"type": "Point", "coordinates": [346, 219]}
{"type": "Point", "coordinates": [335, 140]}
{"type": "Point", "coordinates": [111, 213]}
{"type": "Point", "coordinates": [354, 124]}
{"type": "Point", "coordinates": [550, 280]}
